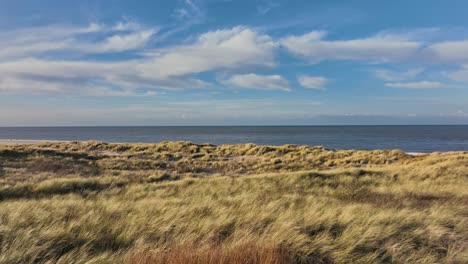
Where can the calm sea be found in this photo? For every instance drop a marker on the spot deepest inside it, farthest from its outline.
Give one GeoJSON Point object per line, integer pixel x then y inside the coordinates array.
{"type": "Point", "coordinates": [407, 138]}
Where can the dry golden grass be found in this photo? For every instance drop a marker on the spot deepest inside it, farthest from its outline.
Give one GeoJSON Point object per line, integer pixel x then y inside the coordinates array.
{"type": "Point", "coordinates": [177, 202]}
{"type": "Point", "coordinates": [244, 253]}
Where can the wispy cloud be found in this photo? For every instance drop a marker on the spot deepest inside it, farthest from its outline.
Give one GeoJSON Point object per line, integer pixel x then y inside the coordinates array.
{"type": "Point", "coordinates": [417, 85]}
{"type": "Point", "coordinates": [414, 46]}
{"type": "Point", "coordinates": [395, 76]}
{"type": "Point", "coordinates": [39, 41]}
{"type": "Point", "coordinates": [455, 52]}
{"type": "Point", "coordinates": [117, 43]}
{"type": "Point", "coordinates": [379, 48]}
{"type": "Point", "coordinates": [312, 82]}
{"type": "Point", "coordinates": [262, 82]}
{"type": "Point", "coordinates": [127, 24]}
{"type": "Point", "coordinates": [265, 7]}
{"type": "Point", "coordinates": [166, 68]}
{"type": "Point", "coordinates": [56, 58]}
{"type": "Point", "coordinates": [189, 12]}
{"type": "Point", "coordinates": [220, 49]}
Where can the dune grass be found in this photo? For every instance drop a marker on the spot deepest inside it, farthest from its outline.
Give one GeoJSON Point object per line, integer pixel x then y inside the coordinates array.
{"type": "Point", "coordinates": [177, 202]}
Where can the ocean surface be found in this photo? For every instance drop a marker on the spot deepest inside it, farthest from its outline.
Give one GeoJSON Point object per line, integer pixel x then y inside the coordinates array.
{"type": "Point", "coordinates": [406, 138]}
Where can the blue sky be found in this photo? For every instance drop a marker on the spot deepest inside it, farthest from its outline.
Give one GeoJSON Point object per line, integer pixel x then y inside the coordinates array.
{"type": "Point", "coordinates": [221, 62]}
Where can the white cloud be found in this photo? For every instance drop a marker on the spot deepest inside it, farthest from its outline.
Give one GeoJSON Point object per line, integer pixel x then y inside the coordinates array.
{"type": "Point", "coordinates": [395, 76]}
{"type": "Point", "coordinates": [166, 68]}
{"type": "Point", "coordinates": [117, 43]}
{"type": "Point", "coordinates": [312, 82]}
{"type": "Point", "coordinates": [449, 52]}
{"type": "Point", "coordinates": [378, 48]}
{"type": "Point", "coordinates": [127, 25]}
{"type": "Point", "coordinates": [42, 40]}
{"type": "Point", "coordinates": [263, 82]}
{"type": "Point", "coordinates": [416, 85]}
{"type": "Point", "coordinates": [34, 75]}
{"type": "Point", "coordinates": [32, 59]}
{"type": "Point", "coordinates": [238, 47]}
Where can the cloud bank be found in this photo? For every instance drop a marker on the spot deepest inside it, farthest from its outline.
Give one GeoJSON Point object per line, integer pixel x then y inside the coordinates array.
{"type": "Point", "coordinates": [165, 68]}
{"type": "Point", "coordinates": [74, 60]}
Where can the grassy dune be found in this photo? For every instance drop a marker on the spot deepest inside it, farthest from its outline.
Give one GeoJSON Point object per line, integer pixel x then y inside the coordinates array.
{"type": "Point", "coordinates": [178, 202]}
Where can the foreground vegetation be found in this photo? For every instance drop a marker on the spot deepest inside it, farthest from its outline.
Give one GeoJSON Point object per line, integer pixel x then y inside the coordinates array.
{"type": "Point", "coordinates": [178, 202]}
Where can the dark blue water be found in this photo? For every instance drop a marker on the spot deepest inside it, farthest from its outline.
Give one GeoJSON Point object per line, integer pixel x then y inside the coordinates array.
{"type": "Point", "coordinates": [407, 138]}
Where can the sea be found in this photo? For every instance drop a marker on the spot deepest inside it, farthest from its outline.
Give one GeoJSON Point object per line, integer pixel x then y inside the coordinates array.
{"type": "Point", "coordinates": [416, 138]}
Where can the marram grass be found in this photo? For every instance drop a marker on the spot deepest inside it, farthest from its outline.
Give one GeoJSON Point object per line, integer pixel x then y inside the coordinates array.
{"type": "Point", "coordinates": [178, 202]}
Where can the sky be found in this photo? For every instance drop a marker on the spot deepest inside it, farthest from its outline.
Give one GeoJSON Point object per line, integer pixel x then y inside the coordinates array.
{"type": "Point", "coordinates": [222, 62]}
